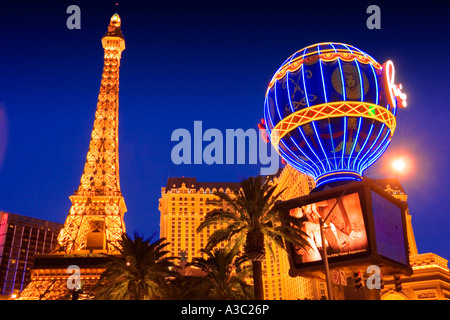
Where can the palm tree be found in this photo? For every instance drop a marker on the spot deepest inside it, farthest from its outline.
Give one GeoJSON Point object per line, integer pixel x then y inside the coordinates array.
{"type": "Point", "coordinates": [250, 220]}
{"type": "Point", "coordinates": [188, 288]}
{"type": "Point", "coordinates": [140, 272]}
{"type": "Point", "coordinates": [225, 274]}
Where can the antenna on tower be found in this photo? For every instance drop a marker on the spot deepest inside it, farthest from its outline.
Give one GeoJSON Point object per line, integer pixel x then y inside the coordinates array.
{"type": "Point", "coordinates": [116, 7]}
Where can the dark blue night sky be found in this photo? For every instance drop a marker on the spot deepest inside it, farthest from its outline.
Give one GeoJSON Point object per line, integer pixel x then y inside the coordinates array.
{"type": "Point", "coordinates": [197, 61]}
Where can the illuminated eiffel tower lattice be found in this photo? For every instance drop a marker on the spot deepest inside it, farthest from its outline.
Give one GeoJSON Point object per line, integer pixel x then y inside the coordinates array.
{"type": "Point", "coordinates": [95, 221]}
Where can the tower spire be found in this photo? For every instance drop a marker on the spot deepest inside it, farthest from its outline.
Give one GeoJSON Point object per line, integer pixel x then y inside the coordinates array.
{"type": "Point", "coordinates": [95, 220]}
{"type": "Point", "coordinates": [101, 171]}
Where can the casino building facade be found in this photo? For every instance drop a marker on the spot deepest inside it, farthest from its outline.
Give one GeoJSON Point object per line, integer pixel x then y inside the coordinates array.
{"type": "Point", "coordinates": [21, 238]}
{"type": "Point", "coordinates": [183, 206]}
{"type": "Point", "coordinates": [431, 276]}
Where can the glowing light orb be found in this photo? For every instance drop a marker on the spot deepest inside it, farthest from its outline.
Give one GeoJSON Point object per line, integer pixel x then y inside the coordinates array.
{"type": "Point", "coordinates": [330, 111]}
{"type": "Point", "coordinates": [399, 165]}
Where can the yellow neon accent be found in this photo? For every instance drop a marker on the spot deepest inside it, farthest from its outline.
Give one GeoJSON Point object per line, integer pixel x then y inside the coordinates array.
{"type": "Point", "coordinates": [332, 110]}
{"type": "Point", "coordinates": [334, 50]}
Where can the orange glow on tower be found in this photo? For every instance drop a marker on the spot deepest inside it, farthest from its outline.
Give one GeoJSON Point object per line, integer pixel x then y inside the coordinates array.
{"type": "Point", "coordinates": [95, 221]}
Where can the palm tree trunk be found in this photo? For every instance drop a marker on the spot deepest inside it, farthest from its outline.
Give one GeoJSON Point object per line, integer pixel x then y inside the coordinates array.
{"type": "Point", "coordinates": [258, 280]}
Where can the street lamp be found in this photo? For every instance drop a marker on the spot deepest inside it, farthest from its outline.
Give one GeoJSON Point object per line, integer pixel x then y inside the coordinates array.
{"type": "Point", "coordinates": [324, 247]}
{"type": "Point", "coordinates": [399, 164]}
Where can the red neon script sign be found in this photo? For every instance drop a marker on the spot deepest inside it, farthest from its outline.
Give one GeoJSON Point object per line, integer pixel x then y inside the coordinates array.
{"type": "Point", "coordinates": [395, 97]}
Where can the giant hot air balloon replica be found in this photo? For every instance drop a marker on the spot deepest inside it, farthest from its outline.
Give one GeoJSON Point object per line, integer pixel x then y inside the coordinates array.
{"type": "Point", "coordinates": [330, 111]}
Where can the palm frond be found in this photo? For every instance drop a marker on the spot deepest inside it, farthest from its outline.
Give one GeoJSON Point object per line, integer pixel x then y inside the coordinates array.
{"type": "Point", "coordinates": [250, 221]}
{"type": "Point", "coordinates": [139, 272]}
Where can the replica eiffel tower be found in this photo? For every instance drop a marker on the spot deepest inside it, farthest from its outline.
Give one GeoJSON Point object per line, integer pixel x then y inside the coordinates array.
{"type": "Point", "coordinates": [95, 221]}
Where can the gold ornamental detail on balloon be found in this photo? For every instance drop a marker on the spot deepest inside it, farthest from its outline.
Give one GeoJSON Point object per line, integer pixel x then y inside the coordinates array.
{"type": "Point", "coordinates": [353, 78]}
{"type": "Point", "coordinates": [332, 110]}
{"type": "Point", "coordinates": [325, 55]}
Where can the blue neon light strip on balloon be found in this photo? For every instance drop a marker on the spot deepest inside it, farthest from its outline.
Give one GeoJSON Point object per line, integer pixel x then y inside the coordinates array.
{"type": "Point", "coordinates": [304, 83]}
{"type": "Point", "coordinates": [288, 92]}
{"type": "Point", "coordinates": [361, 86]}
{"type": "Point", "coordinates": [295, 165]}
{"type": "Point", "coordinates": [320, 143]}
{"type": "Point", "coordinates": [344, 98]}
{"type": "Point", "coordinates": [372, 145]}
{"type": "Point", "coordinates": [326, 101]}
{"type": "Point", "coordinates": [380, 153]}
{"type": "Point", "coordinates": [361, 82]}
{"type": "Point", "coordinates": [376, 154]}
{"type": "Point", "coordinates": [363, 146]}
{"type": "Point", "coordinates": [342, 74]}
{"type": "Point", "coordinates": [323, 81]}
{"type": "Point", "coordinates": [307, 166]}
{"type": "Point", "coordinates": [311, 172]}
{"type": "Point", "coordinates": [343, 143]}
{"type": "Point", "coordinates": [304, 138]}
{"type": "Point", "coordinates": [332, 179]}
{"type": "Point", "coordinates": [292, 109]}
{"type": "Point", "coordinates": [376, 83]}
{"type": "Point", "coordinates": [302, 163]}
{"type": "Point", "coordinates": [351, 51]}
{"type": "Point", "coordinates": [276, 100]}
{"type": "Point", "coordinates": [293, 161]}
{"type": "Point", "coordinates": [287, 86]}
{"type": "Point", "coordinates": [310, 148]}
{"type": "Point", "coordinates": [394, 112]}
{"type": "Point", "coordinates": [301, 132]}
{"type": "Point", "coordinates": [307, 103]}
{"type": "Point", "coordinates": [363, 159]}
{"type": "Point", "coordinates": [304, 154]}
{"type": "Point", "coordinates": [339, 171]}
{"type": "Point", "coordinates": [281, 141]}
{"type": "Point", "coordinates": [332, 144]}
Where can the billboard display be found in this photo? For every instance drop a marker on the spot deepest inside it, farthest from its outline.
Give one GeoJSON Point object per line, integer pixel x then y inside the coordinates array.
{"type": "Point", "coordinates": [344, 231]}
{"type": "Point", "coordinates": [363, 226]}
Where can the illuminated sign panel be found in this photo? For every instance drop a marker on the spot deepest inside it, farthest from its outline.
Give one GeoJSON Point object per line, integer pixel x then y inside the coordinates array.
{"type": "Point", "coordinates": [388, 229]}
{"type": "Point", "coordinates": [344, 231]}
{"type": "Point", "coordinates": [366, 226]}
